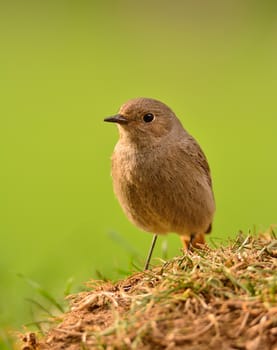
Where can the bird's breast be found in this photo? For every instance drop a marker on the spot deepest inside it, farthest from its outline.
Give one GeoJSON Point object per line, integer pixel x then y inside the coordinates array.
{"type": "Point", "coordinates": [158, 193]}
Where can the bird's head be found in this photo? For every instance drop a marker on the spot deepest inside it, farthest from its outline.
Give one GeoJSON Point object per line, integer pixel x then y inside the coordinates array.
{"type": "Point", "coordinates": [144, 120]}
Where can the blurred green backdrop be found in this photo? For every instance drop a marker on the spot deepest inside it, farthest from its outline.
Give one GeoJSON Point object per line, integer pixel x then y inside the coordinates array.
{"type": "Point", "coordinates": [64, 66]}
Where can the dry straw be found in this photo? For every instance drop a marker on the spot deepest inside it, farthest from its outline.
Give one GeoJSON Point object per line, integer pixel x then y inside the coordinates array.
{"type": "Point", "coordinates": [223, 298]}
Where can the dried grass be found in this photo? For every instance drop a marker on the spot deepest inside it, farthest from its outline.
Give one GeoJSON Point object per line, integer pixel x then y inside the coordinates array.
{"type": "Point", "coordinates": [223, 298]}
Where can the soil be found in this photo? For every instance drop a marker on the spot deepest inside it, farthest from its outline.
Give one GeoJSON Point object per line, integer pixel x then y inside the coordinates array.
{"type": "Point", "coordinates": [223, 298]}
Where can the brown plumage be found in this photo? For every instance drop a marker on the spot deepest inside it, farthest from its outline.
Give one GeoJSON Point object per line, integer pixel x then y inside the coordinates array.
{"type": "Point", "coordinates": [160, 175]}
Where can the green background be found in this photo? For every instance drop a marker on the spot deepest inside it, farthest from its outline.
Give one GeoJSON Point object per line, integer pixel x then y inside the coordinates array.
{"type": "Point", "coordinates": [64, 66]}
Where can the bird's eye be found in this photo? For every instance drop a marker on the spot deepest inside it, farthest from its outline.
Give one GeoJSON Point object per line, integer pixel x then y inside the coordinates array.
{"type": "Point", "coordinates": [148, 117]}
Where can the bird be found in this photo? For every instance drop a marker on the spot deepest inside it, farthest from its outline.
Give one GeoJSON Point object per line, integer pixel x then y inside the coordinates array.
{"type": "Point", "coordinates": [161, 176]}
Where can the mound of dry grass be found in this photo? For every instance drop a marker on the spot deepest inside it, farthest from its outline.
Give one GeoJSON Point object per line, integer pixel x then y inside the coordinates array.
{"type": "Point", "coordinates": [224, 298]}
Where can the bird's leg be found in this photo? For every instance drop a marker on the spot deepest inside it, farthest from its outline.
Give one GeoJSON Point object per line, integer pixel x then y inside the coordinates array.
{"type": "Point", "coordinates": [194, 240]}
{"type": "Point", "coordinates": [191, 241]}
{"type": "Point", "coordinates": [197, 240]}
{"type": "Point", "coordinates": [155, 236]}
{"type": "Point", "coordinates": [186, 241]}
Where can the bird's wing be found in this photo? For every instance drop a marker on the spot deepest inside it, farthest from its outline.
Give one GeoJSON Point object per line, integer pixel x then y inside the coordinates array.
{"type": "Point", "coordinates": [198, 157]}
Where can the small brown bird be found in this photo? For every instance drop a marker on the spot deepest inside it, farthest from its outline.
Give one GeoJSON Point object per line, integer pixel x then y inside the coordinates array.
{"type": "Point", "coordinates": [161, 176]}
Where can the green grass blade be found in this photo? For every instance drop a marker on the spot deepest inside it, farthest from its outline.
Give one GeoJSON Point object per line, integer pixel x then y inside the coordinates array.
{"type": "Point", "coordinates": [46, 295]}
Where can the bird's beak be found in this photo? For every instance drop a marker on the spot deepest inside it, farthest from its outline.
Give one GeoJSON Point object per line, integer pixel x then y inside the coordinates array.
{"type": "Point", "coordinates": [118, 118]}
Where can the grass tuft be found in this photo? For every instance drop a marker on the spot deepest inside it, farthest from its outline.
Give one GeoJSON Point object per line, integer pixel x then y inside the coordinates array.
{"type": "Point", "coordinates": [223, 297]}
